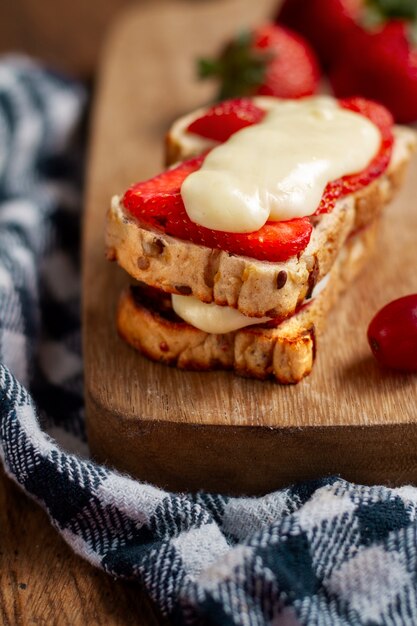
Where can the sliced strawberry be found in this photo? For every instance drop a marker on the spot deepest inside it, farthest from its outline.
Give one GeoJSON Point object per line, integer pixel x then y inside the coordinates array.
{"type": "Point", "coordinates": [382, 118]}
{"type": "Point", "coordinates": [378, 114]}
{"type": "Point", "coordinates": [158, 198]}
{"type": "Point", "coordinates": [158, 203]}
{"type": "Point", "coordinates": [224, 119]}
{"type": "Point", "coordinates": [275, 241]}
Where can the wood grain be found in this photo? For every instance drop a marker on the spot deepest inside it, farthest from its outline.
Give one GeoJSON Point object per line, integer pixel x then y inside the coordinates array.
{"type": "Point", "coordinates": [213, 430]}
{"type": "Point", "coordinates": [43, 582]}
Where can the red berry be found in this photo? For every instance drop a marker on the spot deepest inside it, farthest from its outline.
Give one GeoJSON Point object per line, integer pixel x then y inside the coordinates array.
{"type": "Point", "coordinates": [368, 47]}
{"type": "Point", "coordinates": [268, 60]}
{"type": "Point", "coordinates": [226, 118]}
{"type": "Point", "coordinates": [322, 23]}
{"type": "Point", "coordinates": [292, 70]}
{"type": "Point", "coordinates": [381, 65]}
{"type": "Point", "coordinates": [392, 334]}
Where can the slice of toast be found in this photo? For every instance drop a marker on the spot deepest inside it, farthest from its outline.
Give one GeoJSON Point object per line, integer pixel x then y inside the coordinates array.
{"type": "Point", "coordinates": [255, 288]}
{"type": "Point", "coordinates": [285, 353]}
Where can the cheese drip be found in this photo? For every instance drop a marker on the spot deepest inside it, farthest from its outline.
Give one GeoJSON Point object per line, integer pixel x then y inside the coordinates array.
{"type": "Point", "coordinates": [278, 169]}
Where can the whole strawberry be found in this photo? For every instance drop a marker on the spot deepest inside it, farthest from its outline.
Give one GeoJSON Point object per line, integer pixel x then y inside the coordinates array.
{"type": "Point", "coordinates": [321, 22]}
{"type": "Point", "coordinates": [269, 60]}
{"type": "Point", "coordinates": [368, 47]}
{"type": "Point", "coordinates": [381, 65]}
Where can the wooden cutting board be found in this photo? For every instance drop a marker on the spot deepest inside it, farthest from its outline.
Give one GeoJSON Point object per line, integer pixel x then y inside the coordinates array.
{"type": "Point", "coordinates": [185, 430]}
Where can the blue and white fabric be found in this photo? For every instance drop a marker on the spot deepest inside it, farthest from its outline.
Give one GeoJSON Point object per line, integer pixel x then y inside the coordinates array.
{"type": "Point", "coordinates": [322, 553]}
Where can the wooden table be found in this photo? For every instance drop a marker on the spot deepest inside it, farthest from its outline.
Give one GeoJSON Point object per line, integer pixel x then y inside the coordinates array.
{"type": "Point", "coordinates": [43, 582]}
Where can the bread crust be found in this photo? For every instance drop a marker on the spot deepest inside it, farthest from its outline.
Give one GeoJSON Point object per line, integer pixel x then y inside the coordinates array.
{"type": "Point", "coordinates": [251, 286]}
{"type": "Point", "coordinates": [285, 353]}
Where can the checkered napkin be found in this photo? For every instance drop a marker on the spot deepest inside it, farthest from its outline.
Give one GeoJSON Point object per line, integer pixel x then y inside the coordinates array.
{"type": "Point", "coordinates": [326, 552]}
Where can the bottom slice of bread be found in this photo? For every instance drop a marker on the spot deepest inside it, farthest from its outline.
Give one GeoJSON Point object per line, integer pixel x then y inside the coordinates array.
{"type": "Point", "coordinates": [284, 353]}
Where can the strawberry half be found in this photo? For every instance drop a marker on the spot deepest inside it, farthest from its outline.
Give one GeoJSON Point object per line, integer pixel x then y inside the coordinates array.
{"type": "Point", "coordinates": [157, 202]}
{"type": "Point", "coordinates": [226, 118]}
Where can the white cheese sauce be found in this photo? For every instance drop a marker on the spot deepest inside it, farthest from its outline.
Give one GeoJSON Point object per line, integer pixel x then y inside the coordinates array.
{"type": "Point", "coordinates": [212, 318]}
{"type": "Point", "coordinates": [278, 169]}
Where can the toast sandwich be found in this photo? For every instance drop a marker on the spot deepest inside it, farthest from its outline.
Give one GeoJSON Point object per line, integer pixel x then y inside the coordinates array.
{"type": "Point", "coordinates": [252, 301]}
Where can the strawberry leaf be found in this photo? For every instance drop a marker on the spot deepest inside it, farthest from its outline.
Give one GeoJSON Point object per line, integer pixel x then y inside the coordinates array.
{"type": "Point", "coordinates": [392, 9]}
{"type": "Point", "coordinates": [412, 34]}
{"type": "Point", "coordinates": [240, 68]}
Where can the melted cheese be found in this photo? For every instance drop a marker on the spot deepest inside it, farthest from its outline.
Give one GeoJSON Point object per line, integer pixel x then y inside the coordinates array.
{"type": "Point", "coordinates": [278, 169]}
{"type": "Point", "coordinates": [212, 318]}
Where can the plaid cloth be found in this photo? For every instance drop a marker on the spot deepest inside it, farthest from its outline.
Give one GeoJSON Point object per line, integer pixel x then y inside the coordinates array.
{"type": "Point", "coordinates": [327, 552]}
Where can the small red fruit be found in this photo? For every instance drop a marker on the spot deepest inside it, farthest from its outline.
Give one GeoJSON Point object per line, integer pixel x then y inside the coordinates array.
{"type": "Point", "coordinates": [268, 60]}
{"type": "Point", "coordinates": [392, 334]}
{"type": "Point", "coordinates": [381, 65]}
{"type": "Point", "coordinates": [369, 47]}
{"type": "Point", "coordinates": [321, 22]}
{"type": "Point", "coordinates": [222, 120]}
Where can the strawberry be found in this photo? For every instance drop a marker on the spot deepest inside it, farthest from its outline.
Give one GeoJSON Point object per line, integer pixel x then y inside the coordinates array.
{"type": "Point", "coordinates": [321, 22]}
{"type": "Point", "coordinates": [222, 120]}
{"type": "Point", "coordinates": [209, 125]}
{"type": "Point", "coordinates": [275, 241]}
{"type": "Point", "coordinates": [158, 203]}
{"type": "Point", "coordinates": [268, 60]}
{"type": "Point", "coordinates": [369, 47]}
{"type": "Point", "coordinates": [381, 65]}
{"type": "Point", "coordinates": [158, 198]}
{"type": "Point", "coordinates": [353, 182]}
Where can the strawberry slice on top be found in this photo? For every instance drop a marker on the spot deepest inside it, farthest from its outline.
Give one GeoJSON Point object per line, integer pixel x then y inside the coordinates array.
{"type": "Point", "coordinates": [209, 125]}
{"type": "Point", "coordinates": [158, 203]}
{"type": "Point", "coordinates": [222, 120]}
{"type": "Point", "coordinates": [350, 183]}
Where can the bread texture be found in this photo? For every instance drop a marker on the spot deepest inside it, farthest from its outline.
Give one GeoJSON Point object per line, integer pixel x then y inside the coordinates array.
{"type": "Point", "coordinates": [284, 353]}
{"type": "Point", "coordinates": [255, 288]}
